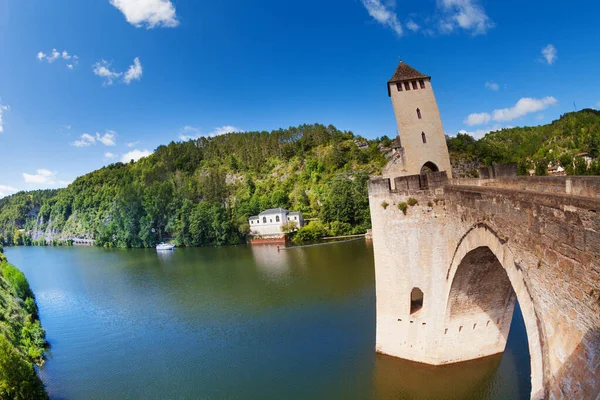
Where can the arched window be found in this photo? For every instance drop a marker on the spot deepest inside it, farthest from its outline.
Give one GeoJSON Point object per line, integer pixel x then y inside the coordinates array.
{"type": "Point", "coordinates": [416, 300]}
{"type": "Point", "coordinates": [423, 137]}
{"type": "Point", "coordinates": [277, 218]}
{"type": "Point", "coordinates": [264, 220]}
{"type": "Point", "coordinates": [419, 113]}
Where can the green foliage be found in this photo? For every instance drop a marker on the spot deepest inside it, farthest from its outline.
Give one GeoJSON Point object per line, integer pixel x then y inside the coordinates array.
{"type": "Point", "coordinates": [18, 379]}
{"type": "Point", "coordinates": [201, 192]}
{"type": "Point", "coordinates": [573, 133]}
{"type": "Point", "coordinates": [33, 340]}
{"type": "Point", "coordinates": [384, 204]}
{"type": "Point", "coordinates": [541, 167]}
{"type": "Point", "coordinates": [289, 226]}
{"type": "Point", "coordinates": [402, 206]}
{"type": "Point", "coordinates": [16, 280]}
{"type": "Point", "coordinates": [311, 232]}
{"type": "Point", "coordinates": [22, 338]}
{"type": "Point", "coordinates": [412, 201]}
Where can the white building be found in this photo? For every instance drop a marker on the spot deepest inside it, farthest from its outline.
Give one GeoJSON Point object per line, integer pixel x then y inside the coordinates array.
{"type": "Point", "coordinates": [269, 222]}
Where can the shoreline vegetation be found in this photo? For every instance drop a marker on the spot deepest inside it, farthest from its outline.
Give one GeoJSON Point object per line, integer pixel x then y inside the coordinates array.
{"type": "Point", "coordinates": [22, 338]}
{"type": "Point", "coordinates": [201, 192]}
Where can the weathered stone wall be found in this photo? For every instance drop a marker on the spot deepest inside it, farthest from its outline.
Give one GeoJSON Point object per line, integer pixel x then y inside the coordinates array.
{"type": "Point", "coordinates": [548, 244]}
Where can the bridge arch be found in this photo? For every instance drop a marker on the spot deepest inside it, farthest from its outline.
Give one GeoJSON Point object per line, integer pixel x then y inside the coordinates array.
{"type": "Point", "coordinates": [482, 248]}
{"type": "Point", "coordinates": [428, 168]}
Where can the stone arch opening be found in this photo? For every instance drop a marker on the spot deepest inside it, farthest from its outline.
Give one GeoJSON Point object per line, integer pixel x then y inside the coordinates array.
{"type": "Point", "coordinates": [428, 168]}
{"type": "Point", "coordinates": [416, 300]}
{"type": "Point", "coordinates": [483, 284]}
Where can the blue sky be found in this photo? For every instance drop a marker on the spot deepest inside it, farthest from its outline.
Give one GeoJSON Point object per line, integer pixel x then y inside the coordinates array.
{"type": "Point", "coordinates": [87, 83]}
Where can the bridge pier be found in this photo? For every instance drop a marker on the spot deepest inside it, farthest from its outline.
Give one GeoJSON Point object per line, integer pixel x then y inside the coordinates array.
{"type": "Point", "coordinates": [472, 251]}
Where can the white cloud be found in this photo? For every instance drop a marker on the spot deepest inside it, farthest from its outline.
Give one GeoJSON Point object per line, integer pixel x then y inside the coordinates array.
{"type": "Point", "coordinates": [108, 154]}
{"type": "Point", "coordinates": [102, 69]}
{"type": "Point", "coordinates": [412, 26]}
{"type": "Point", "coordinates": [132, 144]}
{"type": "Point", "coordinates": [492, 86]}
{"type": "Point", "coordinates": [85, 140]}
{"type": "Point", "coordinates": [2, 109]}
{"type": "Point", "coordinates": [549, 53]}
{"type": "Point", "coordinates": [383, 14]}
{"type": "Point", "coordinates": [108, 139]}
{"type": "Point", "coordinates": [464, 14]}
{"type": "Point", "coordinates": [597, 106]}
{"type": "Point", "coordinates": [42, 176]}
{"type": "Point", "coordinates": [149, 13]}
{"type": "Point", "coordinates": [524, 106]}
{"type": "Point", "coordinates": [189, 132]}
{"type": "Point", "coordinates": [477, 119]}
{"type": "Point", "coordinates": [135, 155]}
{"type": "Point", "coordinates": [479, 133]}
{"type": "Point", "coordinates": [134, 72]}
{"type": "Point", "coordinates": [55, 55]}
{"type": "Point", "coordinates": [6, 190]}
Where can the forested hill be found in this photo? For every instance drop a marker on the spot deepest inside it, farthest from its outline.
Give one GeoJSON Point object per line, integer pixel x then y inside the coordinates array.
{"type": "Point", "coordinates": [557, 143]}
{"type": "Point", "coordinates": [201, 192]}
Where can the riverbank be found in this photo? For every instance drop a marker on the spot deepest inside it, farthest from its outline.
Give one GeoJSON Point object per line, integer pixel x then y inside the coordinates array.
{"type": "Point", "coordinates": [22, 338]}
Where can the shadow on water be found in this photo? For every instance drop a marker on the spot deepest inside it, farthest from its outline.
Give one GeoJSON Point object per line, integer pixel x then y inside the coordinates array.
{"type": "Point", "coordinates": [502, 376]}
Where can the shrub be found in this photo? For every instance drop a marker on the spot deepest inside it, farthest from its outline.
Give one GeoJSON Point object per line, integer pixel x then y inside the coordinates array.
{"type": "Point", "coordinates": [310, 232]}
{"type": "Point", "coordinates": [412, 201]}
{"type": "Point", "coordinates": [403, 206]}
{"type": "Point", "coordinates": [18, 379]}
{"type": "Point", "coordinates": [290, 226]}
{"type": "Point", "coordinates": [384, 204]}
{"type": "Point", "coordinates": [338, 228]}
{"type": "Point", "coordinates": [16, 280]}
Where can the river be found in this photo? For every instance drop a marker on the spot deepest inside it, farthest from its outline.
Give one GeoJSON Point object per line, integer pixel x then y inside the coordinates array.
{"type": "Point", "coordinates": [235, 323]}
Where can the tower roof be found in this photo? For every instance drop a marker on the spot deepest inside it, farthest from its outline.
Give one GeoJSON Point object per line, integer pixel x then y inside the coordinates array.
{"type": "Point", "coordinates": [405, 72]}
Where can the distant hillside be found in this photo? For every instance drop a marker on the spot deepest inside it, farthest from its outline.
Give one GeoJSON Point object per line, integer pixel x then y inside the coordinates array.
{"type": "Point", "coordinates": [202, 191]}
{"type": "Point", "coordinates": [558, 143]}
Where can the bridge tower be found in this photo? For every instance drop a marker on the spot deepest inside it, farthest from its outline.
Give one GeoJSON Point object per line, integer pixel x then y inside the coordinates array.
{"type": "Point", "coordinates": [421, 143]}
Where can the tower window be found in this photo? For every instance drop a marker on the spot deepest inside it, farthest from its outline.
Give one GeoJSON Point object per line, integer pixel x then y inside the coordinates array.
{"type": "Point", "coordinates": [423, 137]}
{"type": "Point", "coordinates": [277, 218]}
{"type": "Point", "coordinates": [414, 85]}
{"type": "Point", "coordinates": [406, 86]}
{"type": "Point", "coordinates": [399, 87]}
{"type": "Point", "coordinates": [416, 300]}
{"type": "Point", "coordinates": [419, 113]}
{"type": "Point", "coordinates": [422, 83]}
{"type": "Point", "coordinates": [264, 220]}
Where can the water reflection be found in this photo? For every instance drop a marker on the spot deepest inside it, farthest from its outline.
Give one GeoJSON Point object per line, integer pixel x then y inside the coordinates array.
{"type": "Point", "coordinates": [234, 322]}
{"type": "Point", "coordinates": [402, 379]}
{"type": "Point", "coordinates": [271, 261]}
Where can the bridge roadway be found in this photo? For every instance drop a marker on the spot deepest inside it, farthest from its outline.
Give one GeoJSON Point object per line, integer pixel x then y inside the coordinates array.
{"type": "Point", "coordinates": [471, 248]}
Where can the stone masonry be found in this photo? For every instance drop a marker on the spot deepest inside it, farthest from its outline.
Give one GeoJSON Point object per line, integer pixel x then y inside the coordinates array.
{"type": "Point", "coordinates": [473, 247]}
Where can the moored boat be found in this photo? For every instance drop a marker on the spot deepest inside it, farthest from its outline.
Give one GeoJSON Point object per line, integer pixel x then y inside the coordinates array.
{"type": "Point", "coordinates": [164, 246]}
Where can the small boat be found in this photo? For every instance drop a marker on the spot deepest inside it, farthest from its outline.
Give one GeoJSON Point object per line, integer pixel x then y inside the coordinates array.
{"type": "Point", "coordinates": [163, 246]}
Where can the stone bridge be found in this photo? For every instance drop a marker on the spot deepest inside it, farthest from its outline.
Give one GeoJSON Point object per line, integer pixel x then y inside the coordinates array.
{"type": "Point", "coordinates": [452, 256]}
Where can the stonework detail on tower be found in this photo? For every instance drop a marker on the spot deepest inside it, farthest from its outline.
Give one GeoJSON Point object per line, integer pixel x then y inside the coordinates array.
{"type": "Point", "coordinates": [420, 131]}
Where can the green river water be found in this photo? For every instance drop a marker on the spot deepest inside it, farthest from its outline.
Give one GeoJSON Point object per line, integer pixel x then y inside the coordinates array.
{"type": "Point", "coordinates": [235, 323]}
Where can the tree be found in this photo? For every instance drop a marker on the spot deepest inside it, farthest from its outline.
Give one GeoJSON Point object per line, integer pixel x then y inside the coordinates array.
{"type": "Point", "coordinates": [18, 379]}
